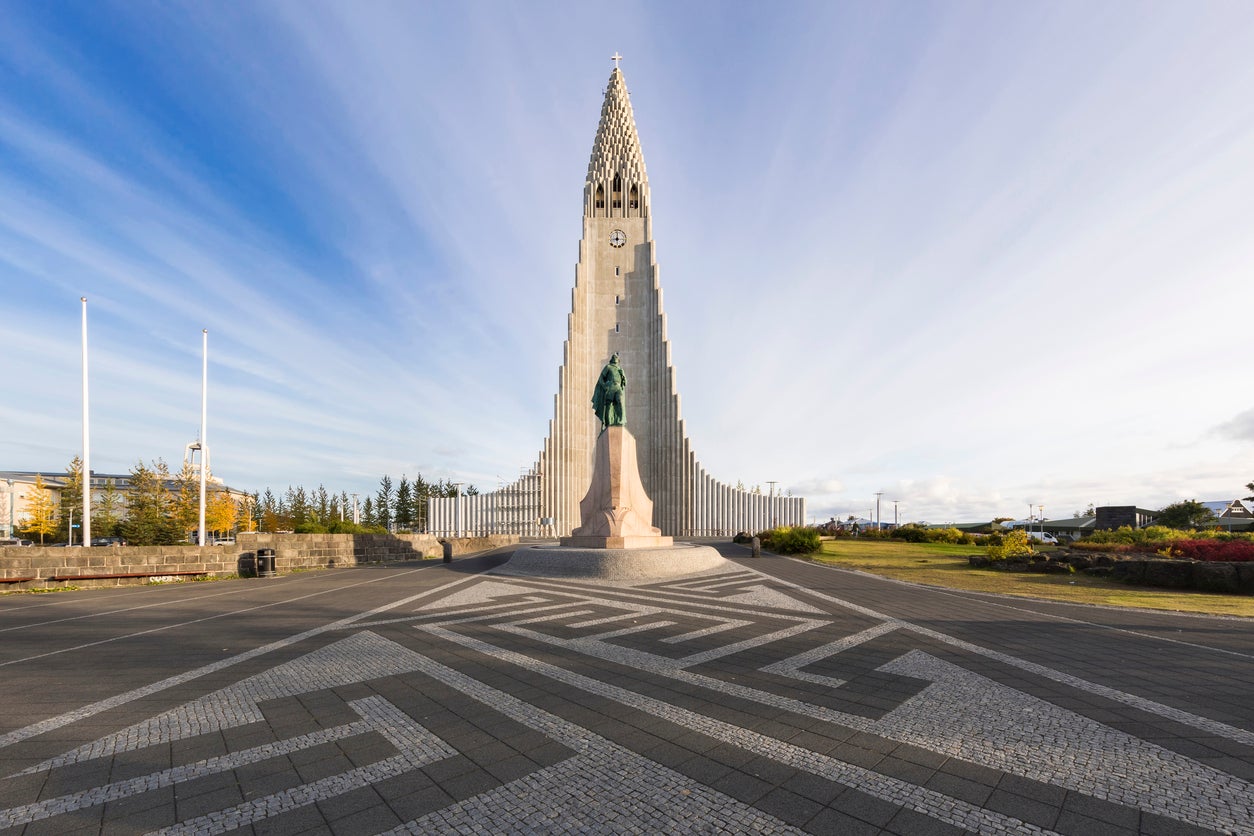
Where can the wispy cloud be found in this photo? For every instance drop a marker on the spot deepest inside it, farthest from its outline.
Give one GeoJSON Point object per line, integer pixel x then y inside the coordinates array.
{"type": "Point", "coordinates": [968, 256]}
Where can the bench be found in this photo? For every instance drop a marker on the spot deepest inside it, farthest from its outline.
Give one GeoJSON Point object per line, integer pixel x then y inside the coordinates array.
{"type": "Point", "coordinates": [17, 580]}
{"type": "Point", "coordinates": [159, 573]}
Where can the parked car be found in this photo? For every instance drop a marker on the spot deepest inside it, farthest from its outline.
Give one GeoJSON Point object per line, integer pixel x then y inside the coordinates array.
{"type": "Point", "coordinates": [14, 541]}
{"type": "Point", "coordinates": [108, 541]}
{"type": "Point", "coordinates": [1043, 537]}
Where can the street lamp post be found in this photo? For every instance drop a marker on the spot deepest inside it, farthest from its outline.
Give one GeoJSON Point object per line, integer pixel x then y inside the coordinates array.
{"type": "Point", "coordinates": [895, 513]}
{"type": "Point", "coordinates": [878, 494]}
{"type": "Point", "coordinates": [9, 525]}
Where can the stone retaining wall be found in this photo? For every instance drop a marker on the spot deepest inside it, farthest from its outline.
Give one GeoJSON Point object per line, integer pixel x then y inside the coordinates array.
{"type": "Point", "coordinates": [1176, 573]}
{"type": "Point", "coordinates": [292, 552]}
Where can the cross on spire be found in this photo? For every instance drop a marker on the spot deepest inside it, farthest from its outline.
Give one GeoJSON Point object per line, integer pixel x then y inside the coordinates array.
{"type": "Point", "coordinates": [616, 58]}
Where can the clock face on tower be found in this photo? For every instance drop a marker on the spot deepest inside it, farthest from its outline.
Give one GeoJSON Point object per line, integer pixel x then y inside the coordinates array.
{"type": "Point", "coordinates": [618, 238]}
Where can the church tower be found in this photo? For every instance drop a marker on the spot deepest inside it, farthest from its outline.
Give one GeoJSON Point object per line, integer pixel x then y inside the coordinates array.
{"type": "Point", "coordinates": [616, 307]}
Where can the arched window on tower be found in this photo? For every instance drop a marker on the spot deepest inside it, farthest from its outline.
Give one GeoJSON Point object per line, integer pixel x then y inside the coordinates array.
{"type": "Point", "coordinates": [616, 197]}
{"type": "Point", "coordinates": [633, 202]}
{"type": "Point", "coordinates": [599, 201]}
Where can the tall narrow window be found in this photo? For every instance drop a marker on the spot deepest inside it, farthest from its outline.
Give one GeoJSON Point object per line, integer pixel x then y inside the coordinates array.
{"type": "Point", "coordinates": [616, 198]}
{"type": "Point", "coordinates": [615, 273]}
{"type": "Point", "coordinates": [635, 198]}
{"type": "Point", "coordinates": [615, 327]}
{"type": "Point", "coordinates": [599, 202]}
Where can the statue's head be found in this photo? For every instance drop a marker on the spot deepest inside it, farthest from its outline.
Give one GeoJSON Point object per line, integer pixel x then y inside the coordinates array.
{"type": "Point", "coordinates": [614, 358]}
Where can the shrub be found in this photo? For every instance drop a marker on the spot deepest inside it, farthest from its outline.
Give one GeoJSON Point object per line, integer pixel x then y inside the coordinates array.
{"type": "Point", "coordinates": [919, 534]}
{"type": "Point", "coordinates": [1156, 539]}
{"type": "Point", "coordinates": [1236, 551]}
{"type": "Point", "coordinates": [1013, 544]}
{"type": "Point", "coordinates": [789, 540]}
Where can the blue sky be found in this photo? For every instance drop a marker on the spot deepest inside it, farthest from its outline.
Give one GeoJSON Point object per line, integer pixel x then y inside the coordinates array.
{"type": "Point", "coordinates": [971, 255]}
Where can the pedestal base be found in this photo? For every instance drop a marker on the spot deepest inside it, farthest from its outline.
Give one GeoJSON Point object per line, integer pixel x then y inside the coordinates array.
{"type": "Point", "coordinates": [638, 541]}
{"type": "Point", "coordinates": [623, 564]}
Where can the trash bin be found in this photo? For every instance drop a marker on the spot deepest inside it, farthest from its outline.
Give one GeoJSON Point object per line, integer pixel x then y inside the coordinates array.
{"type": "Point", "coordinates": [247, 565]}
{"type": "Point", "coordinates": [448, 551]}
{"type": "Point", "coordinates": [265, 563]}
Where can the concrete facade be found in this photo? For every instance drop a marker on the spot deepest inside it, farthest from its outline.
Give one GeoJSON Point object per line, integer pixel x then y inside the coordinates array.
{"type": "Point", "coordinates": [616, 306]}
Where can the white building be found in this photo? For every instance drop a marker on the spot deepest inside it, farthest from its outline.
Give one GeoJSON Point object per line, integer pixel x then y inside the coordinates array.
{"type": "Point", "coordinates": [616, 308]}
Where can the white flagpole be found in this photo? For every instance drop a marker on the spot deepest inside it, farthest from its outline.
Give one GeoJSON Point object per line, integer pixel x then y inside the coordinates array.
{"type": "Point", "coordinates": [204, 412]}
{"type": "Point", "coordinates": [86, 475]}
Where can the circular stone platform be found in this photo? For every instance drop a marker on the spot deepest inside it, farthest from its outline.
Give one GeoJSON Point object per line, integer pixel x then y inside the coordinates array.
{"type": "Point", "coordinates": [612, 564]}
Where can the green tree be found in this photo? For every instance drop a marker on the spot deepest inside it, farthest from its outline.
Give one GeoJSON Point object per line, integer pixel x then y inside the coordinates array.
{"type": "Point", "coordinates": [367, 513]}
{"type": "Point", "coordinates": [71, 500]}
{"type": "Point", "coordinates": [404, 505]}
{"type": "Point", "coordinates": [323, 504]}
{"type": "Point", "coordinates": [106, 511]}
{"type": "Point", "coordinates": [149, 520]}
{"type": "Point", "coordinates": [41, 511]}
{"type": "Point", "coordinates": [268, 513]}
{"type": "Point", "coordinates": [298, 510]}
{"type": "Point", "coordinates": [471, 490]}
{"type": "Point", "coordinates": [383, 503]}
{"type": "Point", "coordinates": [1250, 487]}
{"type": "Point", "coordinates": [1184, 515]}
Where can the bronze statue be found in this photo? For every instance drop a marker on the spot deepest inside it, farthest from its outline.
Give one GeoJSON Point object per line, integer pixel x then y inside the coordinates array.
{"type": "Point", "coordinates": [608, 400]}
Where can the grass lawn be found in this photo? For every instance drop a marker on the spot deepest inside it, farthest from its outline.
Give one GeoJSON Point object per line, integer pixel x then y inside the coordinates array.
{"type": "Point", "coordinates": [942, 564]}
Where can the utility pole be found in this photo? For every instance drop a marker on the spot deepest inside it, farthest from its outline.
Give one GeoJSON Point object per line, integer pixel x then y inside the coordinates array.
{"type": "Point", "coordinates": [878, 494]}
{"type": "Point", "coordinates": [895, 513]}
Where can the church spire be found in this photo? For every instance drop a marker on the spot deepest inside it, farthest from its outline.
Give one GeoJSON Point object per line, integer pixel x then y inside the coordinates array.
{"type": "Point", "coordinates": [617, 185]}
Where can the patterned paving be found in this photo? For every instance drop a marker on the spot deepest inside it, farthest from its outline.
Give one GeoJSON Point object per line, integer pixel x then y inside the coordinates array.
{"type": "Point", "coordinates": [731, 702]}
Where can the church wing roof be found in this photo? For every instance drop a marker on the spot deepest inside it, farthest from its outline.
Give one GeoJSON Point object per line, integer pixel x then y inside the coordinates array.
{"type": "Point", "coordinates": [616, 149]}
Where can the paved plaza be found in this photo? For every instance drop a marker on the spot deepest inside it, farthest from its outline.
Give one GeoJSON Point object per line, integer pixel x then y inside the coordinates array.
{"type": "Point", "coordinates": [771, 696]}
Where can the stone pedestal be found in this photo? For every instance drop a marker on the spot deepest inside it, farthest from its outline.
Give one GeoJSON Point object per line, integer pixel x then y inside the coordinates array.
{"type": "Point", "coordinates": [616, 512]}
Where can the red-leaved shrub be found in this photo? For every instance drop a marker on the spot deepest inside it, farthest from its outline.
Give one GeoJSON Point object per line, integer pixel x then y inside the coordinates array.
{"type": "Point", "coordinates": [1233, 551]}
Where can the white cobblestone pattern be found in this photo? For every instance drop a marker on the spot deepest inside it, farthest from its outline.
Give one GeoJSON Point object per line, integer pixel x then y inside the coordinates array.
{"type": "Point", "coordinates": [1000, 728]}
{"type": "Point", "coordinates": [416, 748]}
{"type": "Point", "coordinates": [762, 596]}
{"type": "Point", "coordinates": [377, 715]}
{"type": "Point", "coordinates": [1206, 724]}
{"type": "Point", "coordinates": [969, 716]}
{"type": "Point", "coordinates": [639, 611]}
{"type": "Point", "coordinates": [483, 591]}
{"type": "Point", "coordinates": [607, 790]}
{"type": "Point", "coordinates": [344, 662]}
{"type": "Point", "coordinates": [765, 600]}
{"type": "Point", "coordinates": [720, 627]}
{"type": "Point", "coordinates": [929, 802]}
{"type": "Point", "coordinates": [722, 576]}
{"type": "Point", "coordinates": [792, 666]}
{"type": "Point", "coordinates": [44, 726]}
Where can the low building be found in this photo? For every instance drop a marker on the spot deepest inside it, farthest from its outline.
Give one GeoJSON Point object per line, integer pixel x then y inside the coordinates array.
{"type": "Point", "coordinates": [17, 489]}
{"type": "Point", "coordinates": [1075, 527]}
{"type": "Point", "coordinates": [1232, 514]}
{"type": "Point", "coordinates": [1110, 517]}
